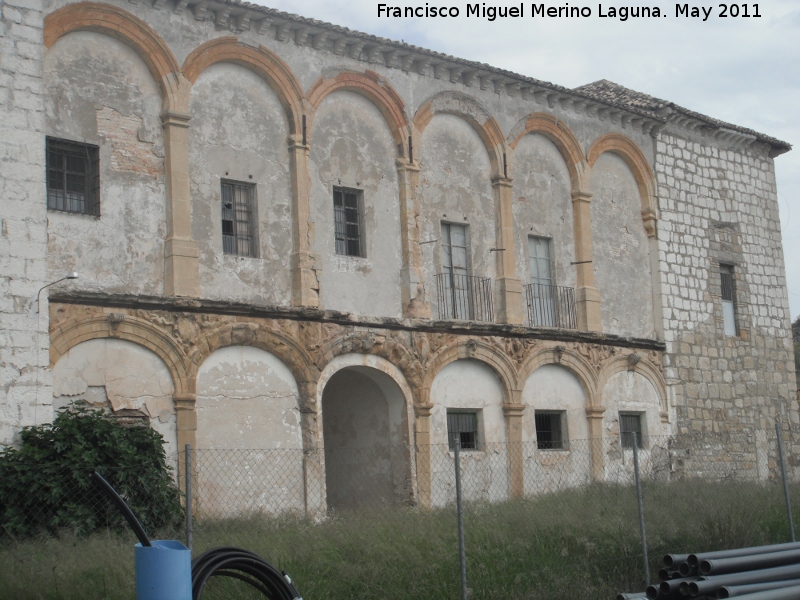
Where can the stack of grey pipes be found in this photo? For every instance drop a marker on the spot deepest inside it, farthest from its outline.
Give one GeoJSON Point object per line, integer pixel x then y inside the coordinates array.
{"type": "Point", "coordinates": [760, 573]}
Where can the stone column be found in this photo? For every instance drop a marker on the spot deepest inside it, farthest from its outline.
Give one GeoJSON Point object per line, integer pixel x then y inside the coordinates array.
{"type": "Point", "coordinates": [413, 293]}
{"type": "Point", "coordinates": [181, 254]}
{"type": "Point", "coordinates": [587, 296]}
{"type": "Point", "coordinates": [509, 287]}
{"type": "Point", "coordinates": [186, 417]}
{"type": "Point", "coordinates": [422, 425]}
{"type": "Point", "coordinates": [313, 452]}
{"type": "Point", "coordinates": [595, 415]}
{"type": "Point", "coordinates": [516, 461]}
{"type": "Point", "coordinates": [304, 263]}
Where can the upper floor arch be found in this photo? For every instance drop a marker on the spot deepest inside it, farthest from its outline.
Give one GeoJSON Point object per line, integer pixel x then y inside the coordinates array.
{"type": "Point", "coordinates": [131, 31]}
{"type": "Point", "coordinates": [261, 61]}
{"type": "Point", "coordinates": [468, 109]}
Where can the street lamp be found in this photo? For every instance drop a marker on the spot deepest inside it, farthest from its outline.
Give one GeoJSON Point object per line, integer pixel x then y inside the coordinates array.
{"type": "Point", "coordinates": [70, 275]}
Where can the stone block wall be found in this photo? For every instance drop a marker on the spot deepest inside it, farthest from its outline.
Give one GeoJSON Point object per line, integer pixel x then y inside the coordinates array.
{"type": "Point", "coordinates": [719, 206]}
{"type": "Point", "coordinates": [25, 392]}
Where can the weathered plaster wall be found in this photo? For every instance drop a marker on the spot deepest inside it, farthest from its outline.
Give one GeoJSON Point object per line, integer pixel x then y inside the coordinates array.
{"type": "Point", "coordinates": [455, 187]}
{"type": "Point", "coordinates": [621, 250]}
{"type": "Point", "coordinates": [238, 132]}
{"type": "Point", "coordinates": [469, 384]}
{"type": "Point", "coordinates": [552, 387]}
{"type": "Point", "coordinates": [543, 206]}
{"type": "Point", "coordinates": [352, 146]}
{"type": "Point", "coordinates": [121, 377]}
{"type": "Point", "coordinates": [25, 393]}
{"type": "Point", "coordinates": [99, 91]}
{"type": "Point", "coordinates": [720, 205]}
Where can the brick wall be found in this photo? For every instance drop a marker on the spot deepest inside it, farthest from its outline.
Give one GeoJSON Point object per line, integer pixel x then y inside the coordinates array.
{"type": "Point", "coordinates": [23, 221]}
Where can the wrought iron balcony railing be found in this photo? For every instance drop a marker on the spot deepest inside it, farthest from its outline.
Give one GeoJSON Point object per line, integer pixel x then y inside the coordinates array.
{"type": "Point", "coordinates": [465, 297]}
{"type": "Point", "coordinates": [551, 306]}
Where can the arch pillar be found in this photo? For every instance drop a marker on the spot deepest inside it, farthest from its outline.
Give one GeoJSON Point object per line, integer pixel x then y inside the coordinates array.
{"type": "Point", "coordinates": [587, 295]}
{"type": "Point", "coordinates": [181, 252]}
{"type": "Point", "coordinates": [313, 455]}
{"type": "Point", "coordinates": [416, 304]}
{"type": "Point", "coordinates": [422, 431]}
{"type": "Point", "coordinates": [594, 415]}
{"type": "Point", "coordinates": [304, 263]}
{"type": "Point", "coordinates": [516, 462]}
{"type": "Point", "coordinates": [509, 287]}
{"type": "Point", "coordinates": [186, 418]}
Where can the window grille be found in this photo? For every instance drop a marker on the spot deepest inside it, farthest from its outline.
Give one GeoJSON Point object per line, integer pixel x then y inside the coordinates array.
{"type": "Point", "coordinates": [463, 427]}
{"type": "Point", "coordinates": [239, 219]}
{"type": "Point", "coordinates": [73, 177]}
{"type": "Point", "coordinates": [630, 424]}
{"type": "Point", "coordinates": [549, 434]}
{"type": "Point", "coordinates": [728, 299]}
{"type": "Point", "coordinates": [348, 217]}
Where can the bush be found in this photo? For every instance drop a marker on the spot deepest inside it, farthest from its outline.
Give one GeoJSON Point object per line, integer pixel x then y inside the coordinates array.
{"type": "Point", "coordinates": [45, 484]}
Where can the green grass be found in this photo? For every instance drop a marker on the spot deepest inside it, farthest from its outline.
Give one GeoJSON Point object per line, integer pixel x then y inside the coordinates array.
{"type": "Point", "coordinates": [575, 544]}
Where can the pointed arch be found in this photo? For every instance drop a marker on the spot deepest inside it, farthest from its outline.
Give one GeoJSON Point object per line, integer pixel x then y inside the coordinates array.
{"type": "Point", "coordinates": [375, 89]}
{"type": "Point", "coordinates": [128, 29]}
{"type": "Point", "coordinates": [632, 155]}
{"type": "Point", "coordinates": [561, 136]}
{"type": "Point", "coordinates": [476, 350]}
{"type": "Point", "coordinates": [569, 359]}
{"type": "Point", "coordinates": [132, 329]}
{"type": "Point", "coordinates": [471, 111]}
{"type": "Point", "coordinates": [261, 61]}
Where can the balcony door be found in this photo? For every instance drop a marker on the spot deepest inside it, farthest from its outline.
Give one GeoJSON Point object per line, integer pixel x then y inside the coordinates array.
{"type": "Point", "coordinates": [543, 307]}
{"type": "Point", "coordinates": [455, 268]}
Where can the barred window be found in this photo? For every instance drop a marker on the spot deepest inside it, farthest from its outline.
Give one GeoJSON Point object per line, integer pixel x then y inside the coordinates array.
{"type": "Point", "coordinates": [630, 428]}
{"type": "Point", "coordinates": [239, 219]}
{"type": "Point", "coordinates": [73, 177]}
{"type": "Point", "coordinates": [348, 217]}
{"type": "Point", "coordinates": [728, 299]}
{"type": "Point", "coordinates": [462, 427]}
{"type": "Point", "coordinates": [550, 430]}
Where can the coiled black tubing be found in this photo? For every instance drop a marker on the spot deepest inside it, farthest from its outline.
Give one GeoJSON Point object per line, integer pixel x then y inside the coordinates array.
{"type": "Point", "coordinates": [227, 561]}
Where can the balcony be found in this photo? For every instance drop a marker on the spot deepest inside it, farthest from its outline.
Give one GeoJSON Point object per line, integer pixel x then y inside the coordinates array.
{"type": "Point", "coordinates": [465, 297]}
{"type": "Point", "coordinates": [551, 306]}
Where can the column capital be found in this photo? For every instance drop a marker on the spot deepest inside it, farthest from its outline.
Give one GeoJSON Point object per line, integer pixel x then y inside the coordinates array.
{"type": "Point", "coordinates": [501, 181]}
{"type": "Point", "coordinates": [595, 412]}
{"type": "Point", "coordinates": [174, 118]}
{"type": "Point", "coordinates": [514, 410]}
{"type": "Point", "coordinates": [423, 410]}
{"type": "Point", "coordinates": [403, 165]}
{"type": "Point", "coordinates": [295, 142]}
{"type": "Point", "coordinates": [582, 196]}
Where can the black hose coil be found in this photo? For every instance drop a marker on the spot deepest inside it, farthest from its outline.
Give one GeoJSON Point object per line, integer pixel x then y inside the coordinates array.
{"type": "Point", "coordinates": [227, 561]}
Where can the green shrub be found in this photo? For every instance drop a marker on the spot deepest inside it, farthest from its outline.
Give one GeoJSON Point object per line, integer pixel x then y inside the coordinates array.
{"type": "Point", "coordinates": [45, 484]}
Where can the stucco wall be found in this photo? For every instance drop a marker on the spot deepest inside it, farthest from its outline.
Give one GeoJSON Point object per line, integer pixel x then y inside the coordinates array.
{"type": "Point", "coordinates": [238, 132]}
{"type": "Point", "coordinates": [352, 147]}
{"type": "Point", "coordinates": [100, 92]}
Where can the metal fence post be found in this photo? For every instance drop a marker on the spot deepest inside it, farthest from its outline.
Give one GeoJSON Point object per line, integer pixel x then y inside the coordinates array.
{"type": "Point", "coordinates": [641, 506]}
{"type": "Point", "coordinates": [188, 479]}
{"type": "Point", "coordinates": [462, 555]}
{"type": "Point", "coordinates": [785, 481]}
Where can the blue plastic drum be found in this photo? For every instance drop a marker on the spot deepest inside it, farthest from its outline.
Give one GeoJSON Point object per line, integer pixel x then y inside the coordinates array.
{"type": "Point", "coordinates": [163, 571]}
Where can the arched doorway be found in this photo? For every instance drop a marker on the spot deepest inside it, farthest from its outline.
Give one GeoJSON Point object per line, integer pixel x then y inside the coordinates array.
{"type": "Point", "coordinates": [365, 437]}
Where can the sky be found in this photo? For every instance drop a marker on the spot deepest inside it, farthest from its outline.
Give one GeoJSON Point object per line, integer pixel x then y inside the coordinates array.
{"type": "Point", "coordinates": [741, 70]}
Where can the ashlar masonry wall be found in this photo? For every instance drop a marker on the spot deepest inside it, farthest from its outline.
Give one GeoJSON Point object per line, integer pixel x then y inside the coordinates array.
{"type": "Point", "coordinates": [25, 393]}
{"type": "Point", "coordinates": [719, 206]}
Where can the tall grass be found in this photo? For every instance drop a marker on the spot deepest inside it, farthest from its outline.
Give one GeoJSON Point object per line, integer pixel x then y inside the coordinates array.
{"type": "Point", "coordinates": [576, 544]}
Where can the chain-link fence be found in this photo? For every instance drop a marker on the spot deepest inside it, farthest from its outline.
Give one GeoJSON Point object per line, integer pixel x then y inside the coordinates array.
{"type": "Point", "coordinates": [389, 515]}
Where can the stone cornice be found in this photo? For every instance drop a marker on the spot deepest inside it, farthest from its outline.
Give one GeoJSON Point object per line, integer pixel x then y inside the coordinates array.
{"type": "Point", "coordinates": [472, 328]}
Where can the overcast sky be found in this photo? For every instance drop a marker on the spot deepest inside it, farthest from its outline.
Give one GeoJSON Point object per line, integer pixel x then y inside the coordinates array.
{"type": "Point", "coordinates": [742, 70]}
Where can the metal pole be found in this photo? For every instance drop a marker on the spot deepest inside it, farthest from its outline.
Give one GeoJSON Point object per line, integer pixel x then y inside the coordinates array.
{"type": "Point", "coordinates": [641, 506]}
{"type": "Point", "coordinates": [785, 481]}
{"type": "Point", "coordinates": [462, 555]}
{"type": "Point", "coordinates": [188, 478]}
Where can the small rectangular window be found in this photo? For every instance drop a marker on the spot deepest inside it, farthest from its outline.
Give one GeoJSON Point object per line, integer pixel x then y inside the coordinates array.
{"type": "Point", "coordinates": [348, 218]}
{"type": "Point", "coordinates": [728, 299]}
{"type": "Point", "coordinates": [462, 427]}
{"type": "Point", "coordinates": [73, 177]}
{"type": "Point", "coordinates": [630, 428]}
{"type": "Point", "coordinates": [550, 430]}
{"type": "Point", "coordinates": [239, 219]}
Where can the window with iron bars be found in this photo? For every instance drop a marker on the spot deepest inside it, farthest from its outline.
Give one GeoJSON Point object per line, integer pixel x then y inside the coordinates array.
{"type": "Point", "coordinates": [462, 426]}
{"type": "Point", "coordinates": [630, 428]}
{"type": "Point", "coordinates": [73, 177]}
{"type": "Point", "coordinates": [348, 218]}
{"type": "Point", "coordinates": [239, 219]}
{"type": "Point", "coordinates": [550, 430]}
{"type": "Point", "coordinates": [728, 299]}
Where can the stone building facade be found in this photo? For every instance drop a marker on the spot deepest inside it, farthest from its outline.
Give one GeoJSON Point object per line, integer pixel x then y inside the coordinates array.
{"type": "Point", "coordinates": [303, 236]}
